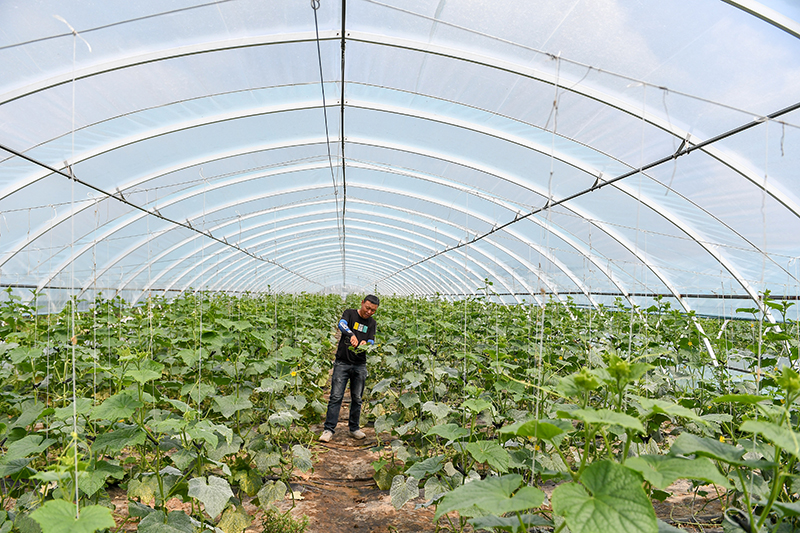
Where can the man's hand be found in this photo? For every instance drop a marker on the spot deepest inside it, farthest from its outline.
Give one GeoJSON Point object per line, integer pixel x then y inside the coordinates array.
{"type": "Point", "coordinates": [354, 341]}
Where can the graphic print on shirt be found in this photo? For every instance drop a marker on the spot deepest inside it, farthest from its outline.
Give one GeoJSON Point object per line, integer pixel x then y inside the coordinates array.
{"type": "Point", "coordinates": [360, 327]}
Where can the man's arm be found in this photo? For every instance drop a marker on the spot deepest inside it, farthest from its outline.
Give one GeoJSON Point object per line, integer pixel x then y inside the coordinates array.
{"type": "Point", "coordinates": [345, 329]}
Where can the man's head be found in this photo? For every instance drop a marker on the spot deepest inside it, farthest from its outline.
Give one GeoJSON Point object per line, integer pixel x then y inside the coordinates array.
{"type": "Point", "coordinates": [368, 306]}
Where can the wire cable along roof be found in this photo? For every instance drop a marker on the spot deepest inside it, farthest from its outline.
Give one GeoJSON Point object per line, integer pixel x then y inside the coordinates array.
{"type": "Point", "coordinates": [590, 150]}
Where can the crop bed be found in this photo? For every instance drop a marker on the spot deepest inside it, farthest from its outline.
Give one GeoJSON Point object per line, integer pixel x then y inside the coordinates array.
{"type": "Point", "coordinates": [214, 402]}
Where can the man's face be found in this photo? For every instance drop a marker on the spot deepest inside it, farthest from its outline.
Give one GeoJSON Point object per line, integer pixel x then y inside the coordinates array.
{"type": "Point", "coordinates": [367, 309]}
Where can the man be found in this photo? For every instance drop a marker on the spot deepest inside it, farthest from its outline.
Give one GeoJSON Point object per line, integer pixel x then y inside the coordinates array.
{"type": "Point", "coordinates": [358, 328]}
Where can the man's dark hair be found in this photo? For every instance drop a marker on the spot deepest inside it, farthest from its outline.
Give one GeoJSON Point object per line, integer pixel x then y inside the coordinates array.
{"type": "Point", "coordinates": [371, 298]}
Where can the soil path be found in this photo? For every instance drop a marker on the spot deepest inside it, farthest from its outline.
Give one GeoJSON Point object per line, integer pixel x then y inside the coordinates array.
{"type": "Point", "coordinates": [340, 495]}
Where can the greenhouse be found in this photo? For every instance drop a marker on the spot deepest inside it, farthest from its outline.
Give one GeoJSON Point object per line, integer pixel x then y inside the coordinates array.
{"type": "Point", "coordinates": [581, 219]}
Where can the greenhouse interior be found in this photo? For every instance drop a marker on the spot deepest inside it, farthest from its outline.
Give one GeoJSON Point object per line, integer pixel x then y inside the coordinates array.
{"type": "Point", "coordinates": [576, 222]}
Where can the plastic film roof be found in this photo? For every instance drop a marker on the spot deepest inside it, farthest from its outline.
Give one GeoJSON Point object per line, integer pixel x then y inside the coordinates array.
{"type": "Point", "coordinates": [579, 149]}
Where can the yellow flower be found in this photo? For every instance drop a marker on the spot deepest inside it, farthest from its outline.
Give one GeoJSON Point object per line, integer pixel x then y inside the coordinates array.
{"type": "Point", "coordinates": [294, 373]}
{"type": "Point", "coordinates": [690, 343]}
{"type": "Point", "coordinates": [722, 438]}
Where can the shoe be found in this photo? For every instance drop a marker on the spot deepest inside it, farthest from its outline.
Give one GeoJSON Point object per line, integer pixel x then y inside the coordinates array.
{"type": "Point", "coordinates": [358, 434]}
{"type": "Point", "coordinates": [326, 436]}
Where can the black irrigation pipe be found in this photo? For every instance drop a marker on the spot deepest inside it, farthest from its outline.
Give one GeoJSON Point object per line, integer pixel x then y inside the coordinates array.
{"type": "Point", "coordinates": [601, 183]}
{"type": "Point", "coordinates": [154, 212]}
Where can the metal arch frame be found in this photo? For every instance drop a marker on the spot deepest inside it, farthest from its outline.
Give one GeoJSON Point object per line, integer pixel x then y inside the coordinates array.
{"type": "Point", "coordinates": [275, 280]}
{"type": "Point", "coordinates": [739, 279]}
{"type": "Point", "coordinates": [205, 246]}
{"type": "Point", "coordinates": [290, 169]}
{"type": "Point", "coordinates": [135, 216]}
{"type": "Point", "coordinates": [768, 15]}
{"type": "Point", "coordinates": [300, 240]}
{"type": "Point", "coordinates": [501, 264]}
{"type": "Point", "coordinates": [444, 281]}
{"type": "Point", "coordinates": [250, 237]}
{"type": "Point", "coordinates": [469, 126]}
{"type": "Point", "coordinates": [230, 181]}
{"type": "Point", "coordinates": [686, 230]}
{"type": "Point", "coordinates": [533, 146]}
{"type": "Point", "coordinates": [316, 221]}
{"type": "Point", "coordinates": [431, 200]}
{"type": "Point", "coordinates": [162, 55]}
{"type": "Point", "coordinates": [417, 46]}
{"type": "Point", "coordinates": [193, 237]}
{"type": "Point", "coordinates": [413, 223]}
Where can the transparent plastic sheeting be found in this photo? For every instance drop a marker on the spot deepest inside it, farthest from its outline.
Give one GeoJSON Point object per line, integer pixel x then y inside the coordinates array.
{"type": "Point", "coordinates": [590, 150]}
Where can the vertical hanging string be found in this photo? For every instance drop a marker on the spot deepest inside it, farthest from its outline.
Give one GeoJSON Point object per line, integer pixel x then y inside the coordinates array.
{"type": "Point", "coordinates": [94, 305]}
{"type": "Point", "coordinates": [638, 211]}
{"type": "Point", "coordinates": [546, 230]}
{"type": "Point", "coordinates": [73, 336]}
{"type": "Point", "coordinates": [339, 224]}
{"type": "Point", "coordinates": [764, 307]}
{"type": "Point", "coordinates": [466, 286]}
{"type": "Point", "coordinates": [49, 316]}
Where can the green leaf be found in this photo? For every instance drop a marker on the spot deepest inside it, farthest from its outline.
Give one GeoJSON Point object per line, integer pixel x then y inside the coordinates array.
{"type": "Point", "coordinates": [788, 509]}
{"type": "Point", "coordinates": [302, 457]}
{"type": "Point", "coordinates": [26, 446]}
{"type": "Point", "coordinates": [16, 466]}
{"type": "Point", "coordinates": [148, 371]}
{"type": "Point", "coordinates": [611, 498]}
{"type": "Point", "coordinates": [448, 431]}
{"type": "Point", "coordinates": [476, 405]}
{"type": "Point", "coordinates": [137, 510]}
{"type": "Point", "coordinates": [437, 409]}
{"type": "Point", "coordinates": [249, 481]}
{"type": "Point", "coordinates": [214, 495]}
{"type": "Point", "coordinates": [430, 465]}
{"type": "Point", "coordinates": [664, 527]}
{"type": "Point", "coordinates": [745, 399]}
{"type": "Point", "coordinates": [510, 523]}
{"type": "Point", "coordinates": [778, 435]}
{"type": "Point", "coordinates": [30, 414]}
{"type": "Point", "coordinates": [409, 399]}
{"type": "Point", "coordinates": [158, 522]}
{"type": "Point", "coordinates": [84, 406]}
{"type": "Point", "coordinates": [183, 458]}
{"type": "Point", "coordinates": [228, 405]}
{"type": "Point", "coordinates": [542, 429]}
{"type": "Point", "coordinates": [661, 471]}
{"type": "Point", "coordinates": [271, 491]}
{"type": "Point", "coordinates": [492, 495]}
{"type": "Point", "coordinates": [435, 487]}
{"type": "Point", "coordinates": [58, 516]}
{"type": "Point", "coordinates": [606, 417]}
{"type": "Point", "coordinates": [112, 442]}
{"type": "Point", "coordinates": [234, 520]}
{"type": "Point", "coordinates": [144, 488]}
{"type": "Point", "coordinates": [189, 356]}
{"type": "Point", "coordinates": [97, 476]}
{"type": "Point", "coordinates": [655, 406]}
{"type": "Point", "coordinates": [403, 491]}
{"type": "Point", "coordinates": [688, 444]}
{"type": "Point", "coordinates": [204, 430]}
{"type": "Point", "coordinates": [284, 418]}
{"type": "Point", "coordinates": [117, 407]}
{"type": "Point", "coordinates": [487, 451]}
